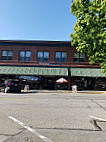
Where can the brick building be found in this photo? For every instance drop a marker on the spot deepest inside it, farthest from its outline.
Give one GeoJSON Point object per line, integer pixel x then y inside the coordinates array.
{"type": "Point", "coordinates": [49, 61]}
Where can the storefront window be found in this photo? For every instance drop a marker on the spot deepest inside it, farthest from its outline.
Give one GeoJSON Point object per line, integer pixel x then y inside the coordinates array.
{"type": "Point", "coordinates": [25, 56]}
{"type": "Point", "coordinates": [7, 55]}
{"type": "Point", "coordinates": [79, 57]}
{"type": "Point", "coordinates": [43, 56]}
{"type": "Point", "coordinates": [61, 57]}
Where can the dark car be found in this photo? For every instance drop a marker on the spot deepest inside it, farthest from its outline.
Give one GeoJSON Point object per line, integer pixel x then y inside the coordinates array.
{"type": "Point", "coordinates": [11, 85]}
{"type": "Point", "coordinates": [2, 87]}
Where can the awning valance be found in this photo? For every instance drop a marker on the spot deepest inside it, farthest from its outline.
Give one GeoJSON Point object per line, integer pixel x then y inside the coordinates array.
{"type": "Point", "coordinates": [33, 71]}
{"type": "Point", "coordinates": [87, 72]}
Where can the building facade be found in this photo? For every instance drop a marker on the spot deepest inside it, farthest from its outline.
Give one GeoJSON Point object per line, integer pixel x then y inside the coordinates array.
{"type": "Point", "coordinates": [49, 61]}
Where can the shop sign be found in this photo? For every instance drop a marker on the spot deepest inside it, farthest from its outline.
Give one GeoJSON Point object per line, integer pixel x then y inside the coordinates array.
{"type": "Point", "coordinates": [48, 64]}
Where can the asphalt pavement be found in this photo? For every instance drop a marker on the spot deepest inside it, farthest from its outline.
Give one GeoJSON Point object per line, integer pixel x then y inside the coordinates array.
{"type": "Point", "coordinates": [60, 116]}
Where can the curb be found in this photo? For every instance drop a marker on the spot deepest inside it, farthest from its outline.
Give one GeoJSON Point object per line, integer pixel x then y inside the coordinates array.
{"type": "Point", "coordinates": [63, 91]}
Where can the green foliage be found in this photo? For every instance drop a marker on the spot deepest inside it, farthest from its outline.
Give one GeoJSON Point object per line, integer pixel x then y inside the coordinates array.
{"type": "Point", "coordinates": [90, 29]}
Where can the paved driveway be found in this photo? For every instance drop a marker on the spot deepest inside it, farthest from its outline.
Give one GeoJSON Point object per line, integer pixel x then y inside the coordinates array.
{"type": "Point", "coordinates": [51, 117]}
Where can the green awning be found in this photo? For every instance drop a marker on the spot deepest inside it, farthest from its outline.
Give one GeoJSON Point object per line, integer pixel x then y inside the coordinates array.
{"type": "Point", "coordinates": [87, 72]}
{"type": "Point", "coordinates": [33, 71]}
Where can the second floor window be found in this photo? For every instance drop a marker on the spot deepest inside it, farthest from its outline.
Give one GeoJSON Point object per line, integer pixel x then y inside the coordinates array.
{"type": "Point", "coordinates": [79, 57]}
{"type": "Point", "coordinates": [7, 55]}
{"type": "Point", "coordinates": [61, 57]}
{"type": "Point", "coordinates": [43, 56]}
{"type": "Point", "coordinates": [25, 56]}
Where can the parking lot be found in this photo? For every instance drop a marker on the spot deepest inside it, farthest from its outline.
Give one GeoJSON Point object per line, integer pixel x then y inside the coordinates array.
{"type": "Point", "coordinates": [52, 117]}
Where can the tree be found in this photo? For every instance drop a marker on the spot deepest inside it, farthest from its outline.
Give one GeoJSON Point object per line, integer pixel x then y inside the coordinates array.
{"type": "Point", "coordinates": [90, 29]}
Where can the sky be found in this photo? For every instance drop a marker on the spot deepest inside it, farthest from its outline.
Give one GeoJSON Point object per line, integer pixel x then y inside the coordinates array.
{"type": "Point", "coordinates": [49, 20]}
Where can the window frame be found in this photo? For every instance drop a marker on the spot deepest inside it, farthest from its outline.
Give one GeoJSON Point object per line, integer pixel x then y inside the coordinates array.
{"type": "Point", "coordinates": [61, 59]}
{"type": "Point", "coordinates": [43, 59]}
{"type": "Point", "coordinates": [79, 57]}
{"type": "Point", "coordinates": [7, 55]}
{"type": "Point", "coordinates": [24, 58]}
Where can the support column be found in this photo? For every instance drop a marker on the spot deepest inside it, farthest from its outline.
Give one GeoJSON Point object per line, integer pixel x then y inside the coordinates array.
{"type": "Point", "coordinates": [69, 79]}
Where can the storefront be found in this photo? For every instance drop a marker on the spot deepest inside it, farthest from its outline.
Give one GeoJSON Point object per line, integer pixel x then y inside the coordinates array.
{"type": "Point", "coordinates": [88, 78]}
{"type": "Point", "coordinates": [47, 76]}
{"type": "Point", "coordinates": [84, 78]}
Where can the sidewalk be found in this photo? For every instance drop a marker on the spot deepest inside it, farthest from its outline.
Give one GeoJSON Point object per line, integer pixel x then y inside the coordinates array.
{"type": "Point", "coordinates": [65, 91]}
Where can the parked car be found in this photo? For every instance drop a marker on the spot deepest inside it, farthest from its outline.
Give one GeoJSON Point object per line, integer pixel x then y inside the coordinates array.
{"type": "Point", "coordinates": [11, 85]}
{"type": "Point", "coordinates": [2, 87]}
